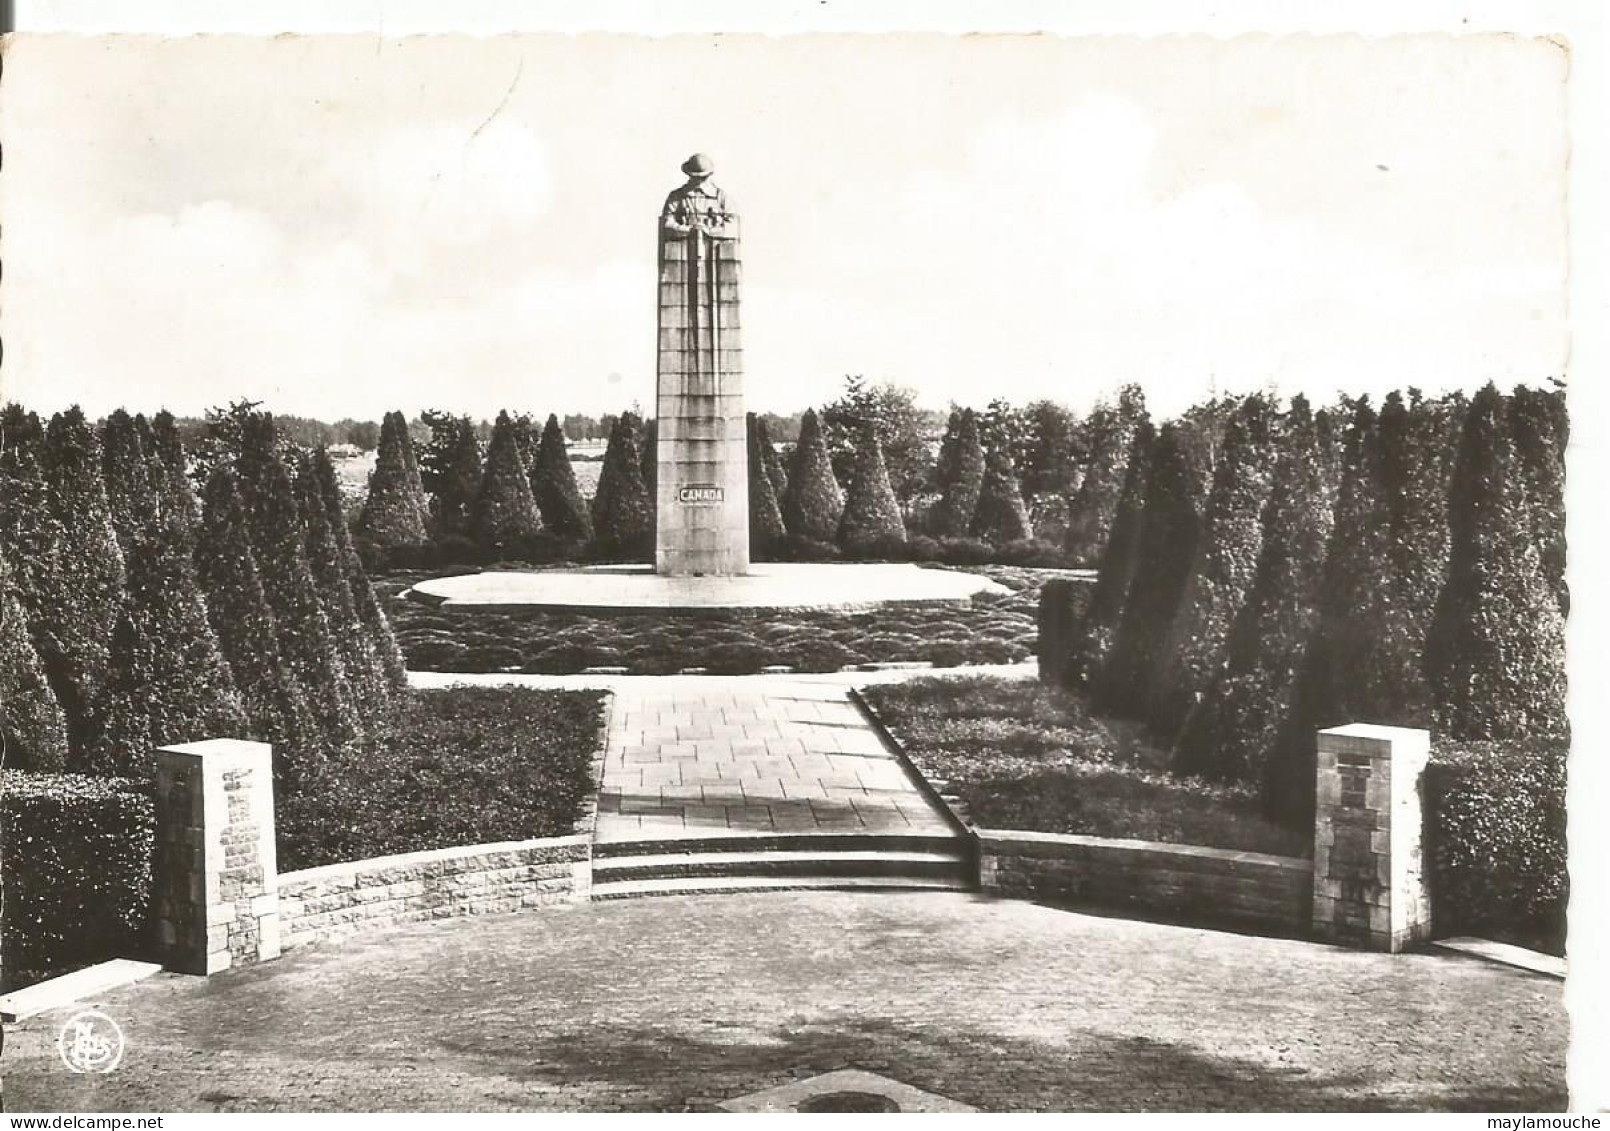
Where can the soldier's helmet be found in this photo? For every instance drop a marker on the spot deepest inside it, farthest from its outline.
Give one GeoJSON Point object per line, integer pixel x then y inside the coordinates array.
{"type": "Point", "coordinates": [698, 166]}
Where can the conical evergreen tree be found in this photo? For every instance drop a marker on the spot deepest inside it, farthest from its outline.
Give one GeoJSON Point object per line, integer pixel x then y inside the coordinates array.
{"type": "Point", "coordinates": [365, 687]}
{"type": "Point", "coordinates": [1168, 534]}
{"type": "Point", "coordinates": [391, 518]}
{"type": "Point", "coordinates": [393, 671]}
{"type": "Point", "coordinates": [279, 545]}
{"type": "Point", "coordinates": [649, 455]}
{"type": "Point", "coordinates": [1226, 557]}
{"type": "Point", "coordinates": [774, 462]}
{"type": "Point", "coordinates": [1119, 560]}
{"type": "Point", "coordinates": [415, 485]}
{"type": "Point", "coordinates": [1108, 436]}
{"type": "Point", "coordinates": [30, 536]}
{"type": "Point", "coordinates": [86, 589]}
{"type": "Point", "coordinates": [1233, 736]}
{"type": "Point", "coordinates": [871, 516]}
{"type": "Point", "coordinates": [525, 438]}
{"type": "Point", "coordinates": [167, 680]}
{"type": "Point", "coordinates": [32, 726]}
{"type": "Point", "coordinates": [505, 515]}
{"type": "Point", "coordinates": [169, 473]}
{"type": "Point", "coordinates": [130, 495]}
{"type": "Point", "coordinates": [553, 483]}
{"type": "Point", "coordinates": [459, 482]}
{"type": "Point", "coordinates": [1001, 516]}
{"type": "Point", "coordinates": [813, 504]}
{"type": "Point", "coordinates": [623, 513]}
{"type": "Point", "coordinates": [960, 474]}
{"type": "Point", "coordinates": [766, 531]}
{"type": "Point", "coordinates": [1496, 657]}
{"type": "Point", "coordinates": [275, 704]}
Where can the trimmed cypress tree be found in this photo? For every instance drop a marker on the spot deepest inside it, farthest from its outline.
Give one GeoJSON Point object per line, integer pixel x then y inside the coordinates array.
{"type": "Point", "coordinates": [525, 438]}
{"type": "Point", "coordinates": [131, 497]}
{"type": "Point", "coordinates": [766, 530]}
{"type": "Point", "coordinates": [774, 462]}
{"type": "Point", "coordinates": [649, 455]}
{"type": "Point", "coordinates": [505, 514]}
{"type": "Point", "coordinates": [366, 686]}
{"type": "Point", "coordinates": [32, 725]}
{"type": "Point", "coordinates": [391, 517]}
{"type": "Point", "coordinates": [278, 542]}
{"type": "Point", "coordinates": [85, 591]}
{"type": "Point", "coordinates": [415, 484]}
{"type": "Point", "coordinates": [1226, 558]}
{"type": "Point", "coordinates": [393, 671]}
{"type": "Point", "coordinates": [169, 474]}
{"type": "Point", "coordinates": [553, 483]}
{"type": "Point", "coordinates": [458, 481]}
{"type": "Point", "coordinates": [871, 516]}
{"type": "Point", "coordinates": [30, 536]}
{"type": "Point", "coordinates": [167, 680]}
{"type": "Point", "coordinates": [1001, 515]}
{"type": "Point", "coordinates": [1233, 735]}
{"type": "Point", "coordinates": [1496, 656]}
{"type": "Point", "coordinates": [623, 513]}
{"type": "Point", "coordinates": [960, 474]}
{"type": "Point", "coordinates": [275, 704]}
{"type": "Point", "coordinates": [1119, 560]}
{"type": "Point", "coordinates": [813, 504]}
{"type": "Point", "coordinates": [1168, 533]}
{"type": "Point", "coordinates": [1108, 435]}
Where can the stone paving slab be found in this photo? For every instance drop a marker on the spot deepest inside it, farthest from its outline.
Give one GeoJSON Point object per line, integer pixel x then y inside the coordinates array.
{"type": "Point", "coordinates": [712, 756]}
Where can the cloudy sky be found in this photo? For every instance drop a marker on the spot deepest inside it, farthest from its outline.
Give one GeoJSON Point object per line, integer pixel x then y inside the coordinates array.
{"type": "Point", "coordinates": [340, 226]}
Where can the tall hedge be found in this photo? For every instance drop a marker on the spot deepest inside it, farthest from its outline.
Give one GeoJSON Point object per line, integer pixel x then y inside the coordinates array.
{"type": "Point", "coordinates": [623, 513]}
{"type": "Point", "coordinates": [393, 517]}
{"type": "Point", "coordinates": [1225, 559]}
{"type": "Point", "coordinates": [1541, 430]}
{"type": "Point", "coordinates": [85, 590]}
{"type": "Point", "coordinates": [813, 504]}
{"type": "Point", "coordinates": [167, 681]}
{"type": "Point", "coordinates": [871, 516]}
{"type": "Point", "coordinates": [505, 514]}
{"type": "Point", "coordinates": [1119, 560]}
{"type": "Point", "coordinates": [1234, 736]}
{"type": "Point", "coordinates": [1000, 515]}
{"type": "Point", "coordinates": [1168, 533]}
{"type": "Point", "coordinates": [275, 703]}
{"type": "Point", "coordinates": [766, 531]}
{"type": "Point", "coordinates": [1496, 656]}
{"type": "Point", "coordinates": [78, 857]}
{"type": "Point", "coordinates": [960, 476]}
{"type": "Point", "coordinates": [32, 725]}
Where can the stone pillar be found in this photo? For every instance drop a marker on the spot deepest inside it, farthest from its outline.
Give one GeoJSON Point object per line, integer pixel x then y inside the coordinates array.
{"type": "Point", "coordinates": [702, 461]}
{"type": "Point", "coordinates": [1369, 871]}
{"type": "Point", "coordinates": [217, 887]}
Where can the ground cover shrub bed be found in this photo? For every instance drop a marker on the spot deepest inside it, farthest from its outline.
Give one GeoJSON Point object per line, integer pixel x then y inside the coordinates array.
{"type": "Point", "coordinates": [78, 857]}
{"type": "Point", "coordinates": [990, 629]}
{"type": "Point", "coordinates": [458, 767]}
{"type": "Point", "coordinates": [1022, 755]}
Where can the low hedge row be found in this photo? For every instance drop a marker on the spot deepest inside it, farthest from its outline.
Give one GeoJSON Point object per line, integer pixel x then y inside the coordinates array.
{"type": "Point", "coordinates": [1495, 829]}
{"type": "Point", "coordinates": [77, 853]}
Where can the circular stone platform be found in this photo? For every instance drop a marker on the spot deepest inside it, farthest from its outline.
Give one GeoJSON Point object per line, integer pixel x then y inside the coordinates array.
{"type": "Point", "coordinates": [772, 585]}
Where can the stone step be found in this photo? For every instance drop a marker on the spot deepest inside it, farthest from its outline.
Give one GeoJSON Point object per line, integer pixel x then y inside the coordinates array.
{"type": "Point", "coordinates": [780, 864]}
{"type": "Point", "coordinates": [782, 842]}
{"type": "Point", "coordinates": [715, 885]}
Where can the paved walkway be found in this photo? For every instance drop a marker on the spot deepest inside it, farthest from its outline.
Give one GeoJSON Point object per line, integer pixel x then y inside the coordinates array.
{"type": "Point", "coordinates": [675, 1003]}
{"type": "Point", "coordinates": [705, 756]}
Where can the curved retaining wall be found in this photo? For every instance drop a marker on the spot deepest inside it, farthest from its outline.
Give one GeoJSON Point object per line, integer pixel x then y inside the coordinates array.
{"type": "Point", "coordinates": [1179, 883]}
{"type": "Point", "coordinates": [339, 899]}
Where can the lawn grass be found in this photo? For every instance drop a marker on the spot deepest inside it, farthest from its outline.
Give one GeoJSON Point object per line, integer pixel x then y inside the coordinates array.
{"type": "Point", "coordinates": [1023, 756]}
{"type": "Point", "coordinates": [460, 766]}
{"type": "Point", "coordinates": [989, 629]}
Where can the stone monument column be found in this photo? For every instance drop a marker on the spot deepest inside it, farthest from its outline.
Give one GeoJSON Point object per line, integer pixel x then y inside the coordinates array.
{"type": "Point", "coordinates": [701, 503]}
